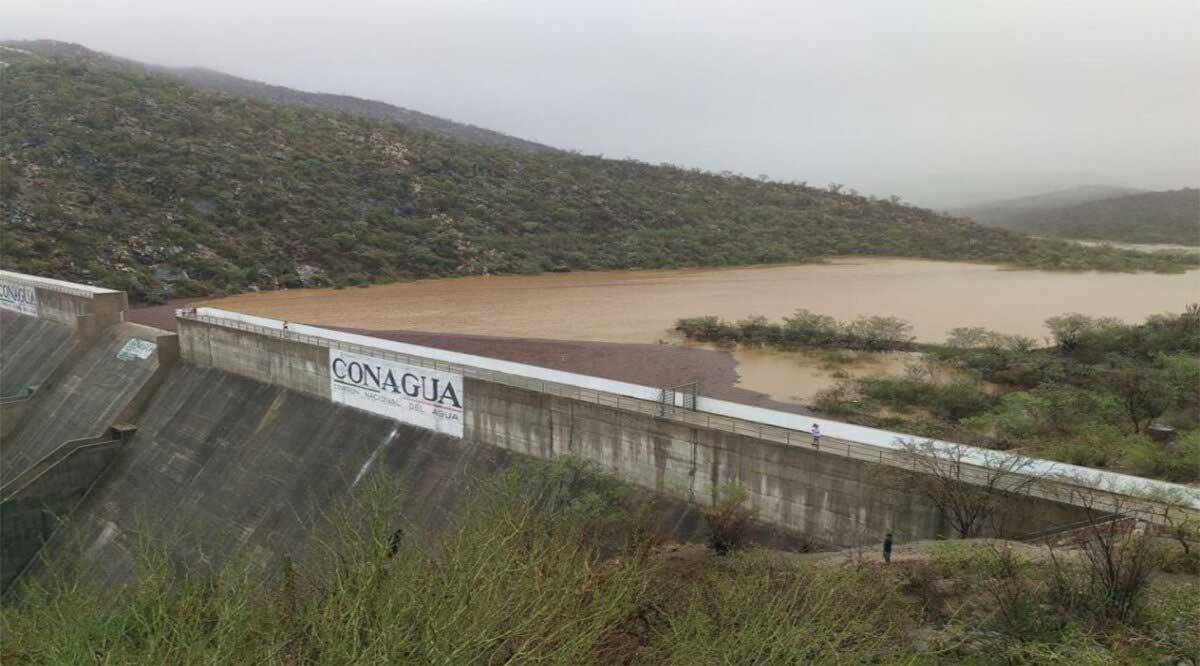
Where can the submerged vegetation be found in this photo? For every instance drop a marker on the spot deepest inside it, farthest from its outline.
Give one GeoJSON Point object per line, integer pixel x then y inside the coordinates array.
{"type": "Point", "coordinates": [1088, 399]}
{"type": "Point", "coordinates": [804, 329]}
{"type": "Point", "coordinates": [551, 563]}
{"type": "Point", "coordinates": [137, 181]}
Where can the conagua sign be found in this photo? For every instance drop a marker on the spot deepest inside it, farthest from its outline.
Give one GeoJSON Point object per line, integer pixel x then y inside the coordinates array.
{"type": "Point", "coordinates": [18, 298]}
{"type": "Point", "coordinates": [429, 399]}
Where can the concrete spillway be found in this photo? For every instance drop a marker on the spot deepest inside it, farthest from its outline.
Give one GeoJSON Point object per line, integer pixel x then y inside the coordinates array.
{"type": "Point", "coordinates": [84, 399]}
{"type": "Point", "coordinates": [238, 465]}
{"type": "Point", "coordinates": [30, 349]}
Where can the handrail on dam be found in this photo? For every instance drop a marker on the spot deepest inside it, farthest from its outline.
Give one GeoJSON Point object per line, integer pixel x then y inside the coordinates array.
{"type": "Point", "coordinates": [1102, 491]}
{"type": "Point", "coordinates": [62, 452]}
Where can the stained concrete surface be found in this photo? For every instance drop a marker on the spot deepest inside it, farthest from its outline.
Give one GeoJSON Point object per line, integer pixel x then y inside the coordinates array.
{"type": "Point", "coordinates": [225, 464]}
{"type": "Point", "coordinates": [30, 349]}
{"type": "Point", "coordinates": [83, 401]}
{"type": "Point", "coordinates": [229, 464]}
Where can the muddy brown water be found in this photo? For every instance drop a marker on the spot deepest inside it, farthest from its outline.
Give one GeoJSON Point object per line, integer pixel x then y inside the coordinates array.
{"type": "Point", "coordinates": [642, 306]}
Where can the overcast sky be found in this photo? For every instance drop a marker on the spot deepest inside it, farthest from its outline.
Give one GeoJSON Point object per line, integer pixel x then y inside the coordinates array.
{"type": "Point", "coordinates": [940, 102]}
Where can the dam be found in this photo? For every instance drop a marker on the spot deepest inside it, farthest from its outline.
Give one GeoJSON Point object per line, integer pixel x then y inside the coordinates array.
{"type": "Point", "coordinates": [238, 429]}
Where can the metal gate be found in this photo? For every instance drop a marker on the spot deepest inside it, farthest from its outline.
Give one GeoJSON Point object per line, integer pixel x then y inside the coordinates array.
{"type": "Point", "coordinates": [682, 396]}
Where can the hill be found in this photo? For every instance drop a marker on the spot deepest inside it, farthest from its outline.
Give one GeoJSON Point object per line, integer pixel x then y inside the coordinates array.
{"type": "Point", "coordinates": [238, 87]}
{"type": "Point", "coordinates": [136, 180]}
{"type": "Point", "coordinates": [1172, 216]}
{"type": "Point", "coordinates": [998, 212]}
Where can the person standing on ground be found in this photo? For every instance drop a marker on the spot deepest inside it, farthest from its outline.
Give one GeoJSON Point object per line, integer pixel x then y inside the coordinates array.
{"type": "Point", "coordinates": [816, 436]}
{"type": "Point", "coordinates": [887, 548]}
{"type": "Point", "coordinates": [395, 541]}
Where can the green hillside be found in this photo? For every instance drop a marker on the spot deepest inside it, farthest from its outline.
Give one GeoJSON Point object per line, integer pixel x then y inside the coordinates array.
{"type": "Point", "coordinates": [208, 79]}
{"type": "Point", "coordinates": [1152, 217]}
{"type": "Point", "coordinates": [141, 182]}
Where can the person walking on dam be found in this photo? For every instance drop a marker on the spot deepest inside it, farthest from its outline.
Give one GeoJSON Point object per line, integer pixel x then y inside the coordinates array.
{"type": "Point", "coordinates": [887, 548]}
{"type": "Point", "coordinates": [816, 436]}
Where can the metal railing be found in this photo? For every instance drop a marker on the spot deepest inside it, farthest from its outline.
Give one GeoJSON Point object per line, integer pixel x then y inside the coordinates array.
{"type": "Point", "coordinates": [64, 451]}
{"type": "Point", "coordinates": [1066, 490]}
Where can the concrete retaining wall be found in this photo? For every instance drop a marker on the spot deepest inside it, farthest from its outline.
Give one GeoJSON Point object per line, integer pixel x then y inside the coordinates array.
{"type": "Point", "coordinates": [84, 308]}
{"type": "Point", "coordinates": [829, 497]}
{"type": "Point", "coordinates": [279, 362]}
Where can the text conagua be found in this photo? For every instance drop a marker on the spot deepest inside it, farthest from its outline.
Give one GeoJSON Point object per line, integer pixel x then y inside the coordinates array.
{"type": "Point", "coordinates": [426, 398]}
{"type": "Point", "coordinates": [18, 298]}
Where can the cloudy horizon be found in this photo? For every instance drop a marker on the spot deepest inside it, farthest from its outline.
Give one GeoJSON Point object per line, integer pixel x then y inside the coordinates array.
{"type": "Point", "coordinates": [940, 103]}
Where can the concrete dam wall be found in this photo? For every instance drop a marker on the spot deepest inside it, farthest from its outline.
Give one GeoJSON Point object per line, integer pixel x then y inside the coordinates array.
{"type": "Point", "coordinates": [222, 464]}
{"type": "Point", "coordinates": [241, 431]}
{"type": "Point", "coordinates": [829, 497]}
{"type": "Point", "coordinates": [30, 350]}
{"type": "Point", "coordinates": [121, 442]}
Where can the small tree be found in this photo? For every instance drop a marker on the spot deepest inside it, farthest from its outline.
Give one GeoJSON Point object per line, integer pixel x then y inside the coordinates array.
{"type": "Point", "coordinates": [1072, 331]}
{"type": "Point", "coordinates": [1118, 558]}
{"type": "Point", "coordinates": [728, 519]}
{"type": "Point", "coordinates": [805, 327]}
{"type": "Point", "coordinates": [1145, 393]}
{"type": "Point", "coordinates": [967, 485]}
{"type": "Point", "coordinates": [880, 333]}
{"type": "Point", "coordinates": [1182, 520]}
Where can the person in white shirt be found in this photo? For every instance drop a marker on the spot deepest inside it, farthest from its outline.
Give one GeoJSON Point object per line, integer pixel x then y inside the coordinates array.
{"type": "Point", "coordinates": [816, 436]}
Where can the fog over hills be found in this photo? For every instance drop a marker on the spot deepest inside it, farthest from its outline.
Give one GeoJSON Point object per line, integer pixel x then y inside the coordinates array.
{"type": "Point", "coordinates": [220, 82]}
{"type": "Point", "coordinates": [140, 180]}
{"type": "Point", "coordinates": [1171, 217]}
{"type": "Point", "coordinates": [995, 212]}
{"type": "Point", "coordinates": [943, 104]}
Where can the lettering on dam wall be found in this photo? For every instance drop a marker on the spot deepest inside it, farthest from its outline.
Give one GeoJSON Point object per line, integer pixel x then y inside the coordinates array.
{"type": "Point", "coordinates": [426, 398]}
{"type": "Point", "coordinates": [18, 298]}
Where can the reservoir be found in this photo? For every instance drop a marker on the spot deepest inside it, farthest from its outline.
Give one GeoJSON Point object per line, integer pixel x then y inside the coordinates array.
{"type": "Point", "coordinates": [642, 306]}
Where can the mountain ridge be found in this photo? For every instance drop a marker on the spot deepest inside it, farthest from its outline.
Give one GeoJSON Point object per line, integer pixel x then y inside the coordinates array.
{"type": "Point", "coordinates": [1166, 217]}
{"type": "Point", "coordinates": [211, 79]}
{"type": "Point", "coordinates": [994, 212]}
{"type": "Point", "coordinates": [140, 181]}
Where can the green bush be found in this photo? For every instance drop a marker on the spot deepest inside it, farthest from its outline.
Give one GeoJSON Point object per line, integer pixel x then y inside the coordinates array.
{"type": "Point", "coordinates": [756, 611]}
{"type": "Point", "coordinates": [707, 329]}
{"type": "Point", "coordinates": [1178, 461]}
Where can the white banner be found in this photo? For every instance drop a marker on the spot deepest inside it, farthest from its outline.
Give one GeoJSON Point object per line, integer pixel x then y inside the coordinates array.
{"type": "Point", "coordinates": [426, 398]}
{"type": "Point", "coordinates": [18, 298]}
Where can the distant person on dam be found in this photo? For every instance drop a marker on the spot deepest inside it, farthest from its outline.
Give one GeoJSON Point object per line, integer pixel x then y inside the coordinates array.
{"type": "Point", "coordinates": [887, 548]}
{"type": "Point", "coordinates": [816, 436]}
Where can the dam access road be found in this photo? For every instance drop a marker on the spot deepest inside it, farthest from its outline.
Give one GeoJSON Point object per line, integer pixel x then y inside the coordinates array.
{"type": "Point", "coordinates": [240, 429]}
